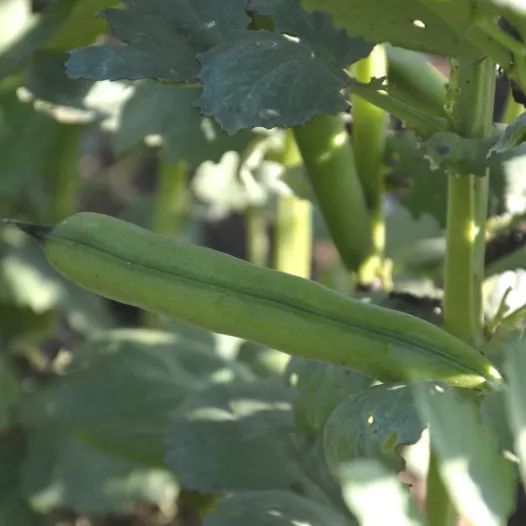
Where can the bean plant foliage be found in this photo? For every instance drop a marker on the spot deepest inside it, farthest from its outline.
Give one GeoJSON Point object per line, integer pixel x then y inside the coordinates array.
{"type": "Point", "coordinates": [120, 415]}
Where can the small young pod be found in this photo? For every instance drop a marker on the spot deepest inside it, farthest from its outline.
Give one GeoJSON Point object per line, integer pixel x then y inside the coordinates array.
{"type": "Point", "coordinates": [224, 294]}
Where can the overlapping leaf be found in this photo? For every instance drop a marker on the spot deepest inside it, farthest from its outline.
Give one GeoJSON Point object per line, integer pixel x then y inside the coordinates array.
{"type": "Point", "coordinates": [162, 39]}
{"type": "Point", "coordinates": [321, 388]}
{"type": "Point", "coordinates": [372, 424]}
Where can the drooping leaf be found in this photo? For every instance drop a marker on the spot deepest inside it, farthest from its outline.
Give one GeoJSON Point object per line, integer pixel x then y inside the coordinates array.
{"type": "Point", "coordinates": [63, 472]}
{"type": "Point", "coordinates": [479, 479]}
{"type": "Point", "coordinates": [241, 76]}
{"type": "Point", "coordinates": [321, 388]}
{"type": "Point", "coordinates": [273, 508]}
{"type": "Point", "coordinates": [162, 39]}
{"type": "Point", "coordinates": [121, 386]}
{"type": "Point", "coordinates": [376, 496]}
{"type": "Point", "coordinates": [373, 424]}
{"type": "Point", "coordinates": [235, 437]}
{"type": "Point", "coordinates": [289, 17]}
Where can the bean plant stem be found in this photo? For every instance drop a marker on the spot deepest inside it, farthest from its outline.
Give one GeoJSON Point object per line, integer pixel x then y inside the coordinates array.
{"type": "Point", "coordinates": [171, 198]}
{"type": "Point", "coordinates": [466, 226]}
{"type": "Point", "coordinates": [293, 234]}
{"type": "Point", "coordinates": [171, 209]}
{"type": "Point", "coordinates": [467, 207]}
{"type": "Point", "coordinates": [368, 137]}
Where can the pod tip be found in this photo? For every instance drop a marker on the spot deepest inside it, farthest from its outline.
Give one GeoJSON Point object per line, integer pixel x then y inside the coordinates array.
{"type": "Point", "coordinates": [39, 232]}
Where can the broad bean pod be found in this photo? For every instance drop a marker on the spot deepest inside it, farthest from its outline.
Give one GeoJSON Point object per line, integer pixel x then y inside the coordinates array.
{"type": "Point", "coordinates": [218, 292]}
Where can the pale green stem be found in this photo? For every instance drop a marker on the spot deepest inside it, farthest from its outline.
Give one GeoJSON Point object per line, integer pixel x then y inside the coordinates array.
{"type": "Point", "coordinates": [257, 238]}
{"type": "Point", "coordinates": [369, 137]}
{"type": "Point", "coordinates": [293, 233]}
{"type": "Point", "coordinates": [171, 199]}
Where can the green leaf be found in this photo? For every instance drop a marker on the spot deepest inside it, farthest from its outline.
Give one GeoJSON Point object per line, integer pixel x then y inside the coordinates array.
{"type": "Point", "coordinates": [121, 386]}
{"type": "Point", "coordinates": [237, 437]}
{"type": "Point", "coordinates": [184, 133]}
{"type": "Point", "coordinates": [63, 472]}
{"type": "Point", "coordinates": [317, 29]}
{"type": "Point", "coordinates": [261, 78]}
{"type": "Point", "coordinates": [376, 496]}
{"type": "Point", "coordinates": [9, 392]}
{"type": "Point", "coordinates": [515, 368]}
{"type": "Point", "coordinates": [396, 23]}
{"type": "Point", "coordinates": [479, 480]}
{"type": "Point", "coordinates": [273, 508]}
{"type": "Point", "coordinates": [321, 388]}
{"type": "Point", "coordinates": [373, 423]}
{"type": "Point", "coordinates": [162, 39]}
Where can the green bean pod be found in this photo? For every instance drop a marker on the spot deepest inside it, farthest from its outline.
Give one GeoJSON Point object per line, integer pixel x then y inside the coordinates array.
{"type": "Point", "coordinates": [224, 294]}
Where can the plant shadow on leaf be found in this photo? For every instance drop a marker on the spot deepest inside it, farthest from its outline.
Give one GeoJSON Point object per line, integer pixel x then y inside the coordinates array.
{"type": "Point", "coordinates": [61, 471]}
{"type": "Point", "coordinates": [240, 437]}
{"type": "Point", "coordinates": [120, 387]}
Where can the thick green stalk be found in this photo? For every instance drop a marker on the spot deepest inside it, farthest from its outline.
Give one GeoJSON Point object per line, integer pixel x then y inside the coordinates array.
{"type": "Point", "coordinates": [63, 175]}
{"type": "Point", "coordinates": [328, 156]}
{"type": "Point", "coordinates": [369, 137]}
{"type": "Point", "coordinates": [293, 234]}
{"type": "Point", "coordinates": [171, 199]}
{"type": "Point", "coordinates": [474, 89]}
{"type": "Point", "coordinates": [467, 206]}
